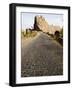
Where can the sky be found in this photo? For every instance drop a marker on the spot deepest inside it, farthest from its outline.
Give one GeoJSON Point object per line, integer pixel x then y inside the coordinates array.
{"type": "Point", "coordinates": [27, 19]}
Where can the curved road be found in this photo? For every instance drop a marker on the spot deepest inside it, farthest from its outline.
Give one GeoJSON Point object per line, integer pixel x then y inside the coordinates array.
{"type": "Point", "coordinates": [41, 56]}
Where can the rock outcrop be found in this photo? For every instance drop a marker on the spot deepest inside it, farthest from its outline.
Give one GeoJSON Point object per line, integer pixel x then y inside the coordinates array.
{"type": "Point", "coordinates": [40, 24]}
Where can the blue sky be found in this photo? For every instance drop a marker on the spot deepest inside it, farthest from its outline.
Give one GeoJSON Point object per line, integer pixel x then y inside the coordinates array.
{"type": "Point", "coordinates": [28, 19]}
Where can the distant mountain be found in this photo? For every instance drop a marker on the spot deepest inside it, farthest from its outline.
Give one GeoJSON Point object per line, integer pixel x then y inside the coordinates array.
{"type": "Point", "coordinates": [53, 29]}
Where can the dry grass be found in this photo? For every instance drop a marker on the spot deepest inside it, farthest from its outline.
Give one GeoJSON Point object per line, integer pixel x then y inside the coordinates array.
{"type": "Point", "coordinates": [29, 34]}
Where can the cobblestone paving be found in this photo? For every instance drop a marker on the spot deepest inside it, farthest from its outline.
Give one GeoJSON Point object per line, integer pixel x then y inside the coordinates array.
{"type": "Point", "coordinates": [42, 57]}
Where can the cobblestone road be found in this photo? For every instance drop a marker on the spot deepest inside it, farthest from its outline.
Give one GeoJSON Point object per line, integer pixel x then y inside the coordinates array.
{"type": "Point", "coordinates": [42, 56]}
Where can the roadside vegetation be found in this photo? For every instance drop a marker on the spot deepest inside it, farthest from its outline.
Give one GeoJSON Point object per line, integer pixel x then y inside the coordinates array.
{"type": "Point", "coordinates": [27, 34]}
{"type": "Point", "coordinates": [58, 36]}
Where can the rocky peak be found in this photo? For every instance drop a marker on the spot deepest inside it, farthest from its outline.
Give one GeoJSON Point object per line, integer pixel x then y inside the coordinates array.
{"type": "Point", "coordinates": [40, 24]}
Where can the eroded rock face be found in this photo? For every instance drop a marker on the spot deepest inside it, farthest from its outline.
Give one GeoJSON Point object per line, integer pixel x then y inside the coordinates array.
{"type": "Point", "coordinates": [40, 24]}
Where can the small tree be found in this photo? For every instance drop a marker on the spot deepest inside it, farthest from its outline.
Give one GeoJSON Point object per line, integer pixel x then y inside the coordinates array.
{"type": "Point", "coordinates": [57, 35]}
{"type": "Point", "coordinates": [61, 32]}
{"type": "Point", "coordinates": [26, 31]}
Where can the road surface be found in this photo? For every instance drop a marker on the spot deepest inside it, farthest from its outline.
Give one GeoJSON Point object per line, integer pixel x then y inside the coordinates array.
{"type": "Point", "coordinates": [41, 56]}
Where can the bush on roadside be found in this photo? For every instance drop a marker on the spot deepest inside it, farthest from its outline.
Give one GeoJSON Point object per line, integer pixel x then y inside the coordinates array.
{"type": "Point", "coordinates": [29, 34]}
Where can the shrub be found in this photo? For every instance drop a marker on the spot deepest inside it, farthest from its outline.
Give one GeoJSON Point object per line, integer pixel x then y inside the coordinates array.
{"type": "Point", "coordinates": [28, 34]}
{"type": "Point", "coordinates": [57, 34]}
